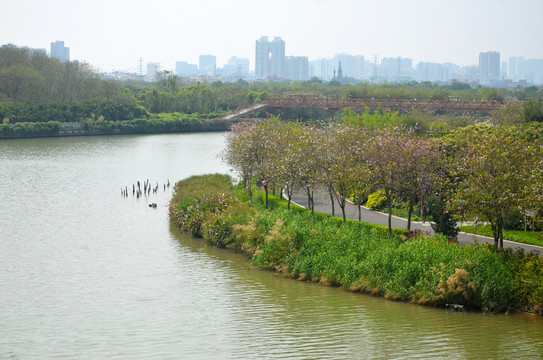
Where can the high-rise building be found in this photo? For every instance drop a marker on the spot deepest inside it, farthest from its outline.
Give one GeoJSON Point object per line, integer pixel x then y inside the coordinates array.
{"type": "Point", "coordinates": [323, 68]}
{"type": "Point", "coordinates": [59, 51]}
{"type": "Point", "coordinates": [533, 71]}
{"type": "Point", "coordinates": [297, 68]}
{"type": "Point", "coordinates": [262, 58]}
{"type": "Point", "coordinates": [427, 71]}
{"type": "Point", "coordinates": [270, 58]}
{"type": "Point", "coordinates": [516, 68]}
{"type": "Point", "coordinates": [396, 69]}
{"type": "Point", "coordinates": [351, 65]}
{"type": "Point", "coordinates": [152, 69]}
{"type": "Point", "coordinates": [207, 64]}
{"type": "Point", "coordinates": [277, 51]}
{"type": "Point", "coordinates": [489, 67]}
{"type": "Point", "coordinates": [183, 68]}
{"type": "Point", "coordinates": [237, 66]}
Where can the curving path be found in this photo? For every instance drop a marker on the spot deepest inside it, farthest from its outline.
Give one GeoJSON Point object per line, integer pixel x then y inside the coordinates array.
{"type": "Point", "coordinates": [323, 205]}
{"type": "Point", "coordinates": [243, 111]}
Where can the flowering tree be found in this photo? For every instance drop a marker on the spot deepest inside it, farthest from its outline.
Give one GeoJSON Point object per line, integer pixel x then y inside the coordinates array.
{"type": "Point", "coordinates": [344, 166]}
{"type": "Point", "coordinates": [311, 147]}
{"type": "Point", "coordinates": [496, 175]}
{"type": "Point", "coordinates": [238, 152]}
{"type": "Point", "coordinates": [269, 134]}
{"type": "Point", "coordinates": [252, 149]}
{"type": "Point", "coordinates": [420, 169]}
{"type": "Point", "coordinates": [245, 151]}
{"type": "Point", "coordinates": [384, 161]}
{"type": "Point", "coordinates": [289, 159]}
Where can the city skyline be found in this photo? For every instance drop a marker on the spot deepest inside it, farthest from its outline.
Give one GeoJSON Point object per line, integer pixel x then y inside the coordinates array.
{"type": "Point", "coordinates": [271, 62]}
{"type": "Point", "coordinates": [115, 35]}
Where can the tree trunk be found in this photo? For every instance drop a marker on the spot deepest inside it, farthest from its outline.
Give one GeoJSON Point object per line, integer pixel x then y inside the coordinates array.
{"type": "Point", "coordinates": [342, 206]}
{"type": "Point", "coordinates": [310, 200]}
{"type": "Point", "coordinates": [266, 190]}
{"type": "Point", "coordinates": [496, 234]}
{"type": "Point", "coordinates": [359, 213]}
{"type": "Point", "coordinates": [341, 202]}
{"type": "Point", "coordinates": [389, 204]}
{"type": "Point", "coordinates": [312, 203]}
{"type": "Point", "coordinates": [289, 197]}
{"type": "Point", "coordinates": [332, 201]}
{"type": "Point", "coordinates": [410, 211]}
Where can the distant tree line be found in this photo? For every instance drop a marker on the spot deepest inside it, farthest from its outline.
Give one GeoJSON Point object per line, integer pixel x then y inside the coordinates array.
{"type": "Point", "coordinates": [27, 75]}
{"type": "Point", "coordinates": [73, 111]}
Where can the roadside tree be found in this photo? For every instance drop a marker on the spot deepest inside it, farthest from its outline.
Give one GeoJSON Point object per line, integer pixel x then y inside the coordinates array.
{"type": "Point", "coordinates": [420, 170]}
{"type": "Point", "coordinates": [383, 162]}
{"type": "Point", "coordinates": [497, 174]}
{"type": "Point", "coordinates": [243, 151]}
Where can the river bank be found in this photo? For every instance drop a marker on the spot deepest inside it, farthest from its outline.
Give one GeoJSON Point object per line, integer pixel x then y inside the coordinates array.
{"type": "Point", "coordinates": [357, 256]}
{"type": "Point", "coordinates": [158, 124]}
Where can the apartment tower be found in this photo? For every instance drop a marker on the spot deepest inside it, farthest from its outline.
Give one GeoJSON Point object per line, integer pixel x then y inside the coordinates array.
{"type": "Point", "coordinates": [270, 58]}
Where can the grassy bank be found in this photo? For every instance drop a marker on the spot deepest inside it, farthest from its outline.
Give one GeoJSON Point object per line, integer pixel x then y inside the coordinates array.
{"type": "Point", "coordinates": [356, 256]}
{"type": "Point", "coordinates": [525, 237]}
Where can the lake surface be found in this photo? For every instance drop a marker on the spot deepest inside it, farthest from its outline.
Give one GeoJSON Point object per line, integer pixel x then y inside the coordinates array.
{"type": "Point", "coordinates": [88, 274]}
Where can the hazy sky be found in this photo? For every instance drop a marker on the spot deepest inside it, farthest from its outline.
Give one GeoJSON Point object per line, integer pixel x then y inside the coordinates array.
{"type": "Point", "coordinates": [111, 34]}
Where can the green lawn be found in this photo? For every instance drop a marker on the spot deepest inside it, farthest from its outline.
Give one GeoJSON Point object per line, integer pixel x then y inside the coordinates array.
{"type": "Point", "coordinates": [525, 237]}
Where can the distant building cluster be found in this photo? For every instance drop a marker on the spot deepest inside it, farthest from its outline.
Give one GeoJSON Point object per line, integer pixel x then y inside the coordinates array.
{"type": "Point", "coordinates": [207, 67]}
{"type": "Point", "coordinates": [273, 64]}
{"type": "Point", "coordinates": [489, 71]}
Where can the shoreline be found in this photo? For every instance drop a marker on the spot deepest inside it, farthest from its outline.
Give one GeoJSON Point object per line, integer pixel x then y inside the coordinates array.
{"type": "Point", "coordinates": [206, 126]}
{"type": "Point", "coordinates": [89, 134]}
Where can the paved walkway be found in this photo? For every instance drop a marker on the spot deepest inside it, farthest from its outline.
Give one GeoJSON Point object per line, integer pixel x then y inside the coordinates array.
{"type": "Point", "coordinates": [323, 205]}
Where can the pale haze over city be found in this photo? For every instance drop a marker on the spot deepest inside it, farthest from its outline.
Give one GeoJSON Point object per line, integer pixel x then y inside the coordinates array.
{"type": "Point", "coordinates": [114, 35]}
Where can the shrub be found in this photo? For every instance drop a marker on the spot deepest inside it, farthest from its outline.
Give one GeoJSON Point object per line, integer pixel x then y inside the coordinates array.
{"type": "Point", "coordinates": [444, 222]}
{"type": "Point", "coordinates": [201, 213]}
{"type": "Point", "coordinates": [377, 200]}
{"type": "Point", "coordinates": [529, 275]}
{"type": "Point", "coordinates": [216, 228]}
